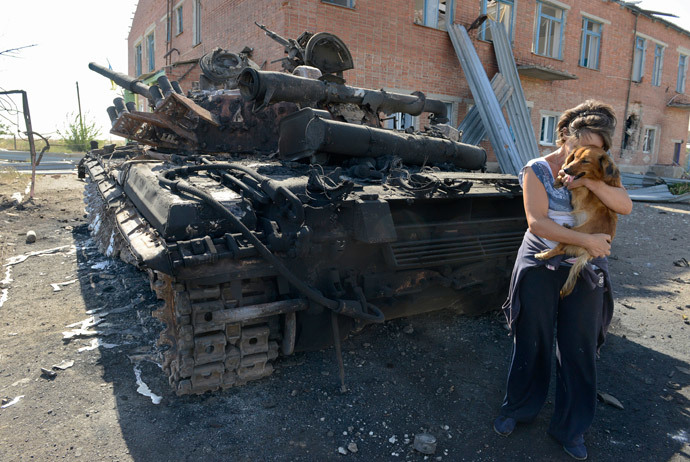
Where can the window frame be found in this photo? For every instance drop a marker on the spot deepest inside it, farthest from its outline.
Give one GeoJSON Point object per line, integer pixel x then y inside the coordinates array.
{"type": "Point", "coordinates": [681, 77]}
{"type": "Point", "coordinates": [658, 67]}
{"type": "Point", "coordinates": [639, 68]}
{"type": "Point", "coordinates": [196, 23]}
{"type": "Point", "coordinates": [485, 26]}
{"type": "Point", "coordinates": [587, 34]}
{"type": "Point", "coordinates": [426, 6]}
{"type": "Point", "coordinates": [138, 58]}
{"type": "Point", "coordinates": [545, 115]}
{"type": "Point", "coordinates": [350, 3]}
{"type": "Point", "coordinates": [645, 140]}
{"type": "Point", "coordinates": [179, 21]}
{"type": "Point", "coordinates": [552, 19]}
{"type": "Point", "coordinates": [150, 39]}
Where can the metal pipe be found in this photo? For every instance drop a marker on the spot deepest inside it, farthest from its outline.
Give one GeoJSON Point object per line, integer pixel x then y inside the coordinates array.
{"type": "Point", "coordinates": [334, 137]}
{"type": "Point", "coordinates": [271, 87]}
{"type": "Point", "coordinates": [156, 95]}
{"type": "Point", "coordinates": [120, 105]}
{"type": "Point", "coordinates": [164, 85]}
{"type": "Point", "coordinates": [112, 113]}
{"type": "Point", "coordinates": [125, 81]}
{"type": "Point", "coordinates": [176, 86]}
{"type": "Point", "coordinates": [131, 106]}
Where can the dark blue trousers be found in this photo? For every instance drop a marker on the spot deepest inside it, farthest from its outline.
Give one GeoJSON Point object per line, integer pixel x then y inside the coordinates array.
{"type": "Point", "coordinates": [576, 320]}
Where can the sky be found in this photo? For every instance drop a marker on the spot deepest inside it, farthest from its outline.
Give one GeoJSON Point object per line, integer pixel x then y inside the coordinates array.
{"type": "Point", "coordinates": [69, 34]}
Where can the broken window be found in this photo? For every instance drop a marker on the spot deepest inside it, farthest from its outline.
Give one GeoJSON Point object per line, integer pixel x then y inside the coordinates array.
{"type": "Point", "coordinates": [178, 20]}
{"type": "Point", "coordinates": [150, 52]}
{"type": "Point", "coordinates": [138, 57]}
{"type": "Point", "coordinates": [547, 134]}
{"type": "Point", "coordinates": [549, 30]}
{"type": "Point", "coordinates": [630, 135]}
{"type": "Point", "coordinates": [197, 22]}
{"type": "Point", "coordinates": [399, 121]}
{"type": "Point", "coordinates": [638, 59]}
{"type": "Point", "coordinates": [649, 139]}
{"type": "Point", "coordinates": [433, 13]}
{"type": "Point", "coordinates": [658, 65]}
{"type": "Point", "coordinates": [345, 3]}
{"type": "Point", "coordinates": [499, 11]}
{"type": "Point", "coordinates": [682, 68]}
{"type": "Point", "coordinates": [591, 43]}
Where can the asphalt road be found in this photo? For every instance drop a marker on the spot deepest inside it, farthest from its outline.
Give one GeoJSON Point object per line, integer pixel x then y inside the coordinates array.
{"type": "Point", "coordinates": [52, 162]}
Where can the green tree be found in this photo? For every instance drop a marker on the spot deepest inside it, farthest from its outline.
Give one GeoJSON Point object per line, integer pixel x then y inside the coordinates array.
{"type": "Point", "coordinates": [4, 129]}
{"type": "Point", "coordinates": [78, 132]}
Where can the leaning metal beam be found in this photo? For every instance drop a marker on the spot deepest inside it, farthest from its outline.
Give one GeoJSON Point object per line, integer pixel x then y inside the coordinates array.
{"type": "Point", "coordinates": [516, 107]}
{"type": "Point", "coordinates": [473, 131]}
{"type": "Point", "coordinates": [486, 101]}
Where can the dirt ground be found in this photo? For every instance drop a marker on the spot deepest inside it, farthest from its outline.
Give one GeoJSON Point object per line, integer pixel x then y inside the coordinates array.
{"type": "Point", "coordinates": [439, 373]}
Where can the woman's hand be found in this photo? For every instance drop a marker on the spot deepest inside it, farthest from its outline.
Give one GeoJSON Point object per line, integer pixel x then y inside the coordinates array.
{"type": "Point", "coordinates": [598, 245]}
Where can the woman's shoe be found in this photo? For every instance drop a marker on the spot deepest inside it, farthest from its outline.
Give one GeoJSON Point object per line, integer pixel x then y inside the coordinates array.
{"type": "Point", "coordinates": [579, 451]}
{"type": "Point", "coordinates": [504, 426]}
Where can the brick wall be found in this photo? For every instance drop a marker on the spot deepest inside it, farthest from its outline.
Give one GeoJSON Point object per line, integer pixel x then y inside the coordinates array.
{"type": "Point", "coordinates": [390, 51]}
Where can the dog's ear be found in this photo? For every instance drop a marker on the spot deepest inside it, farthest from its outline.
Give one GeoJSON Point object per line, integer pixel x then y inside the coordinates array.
{"type": "Point", "coordinates": [612, 175]}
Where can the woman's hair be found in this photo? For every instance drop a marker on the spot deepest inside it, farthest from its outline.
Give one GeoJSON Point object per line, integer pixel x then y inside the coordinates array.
{"type": "Point", "coordinates": [589, 117]}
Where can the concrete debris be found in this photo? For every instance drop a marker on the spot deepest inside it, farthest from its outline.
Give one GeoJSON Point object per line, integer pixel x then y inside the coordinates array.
{"type": "Point", "coordinates": [425, 443]}
{"type": "Point", "coordinates": [95, 343]}
{"type": "Point", "coordinates": [63, 365]}
{"type": "Point", "coordinates": [11, 402]}
{"type": "Point", "coordinates": [17, 198]}
{"type": "Point", "coordinates": [56, 286]}
{"type": "Point", "coordinates": [4, 286]}
{"type": "Point", "coordinates": [683, 263]}
{"type": "Point", "coordinates": [20, 258]}
{"type": "Point", "coordinates": [352, 447]}
{"type": "Point", "coordinates": [47, 373]}
{"type": "Point", "coordinates": [79, 333]}
{"type": "Point", "coordinates": [610, 400]}
{"type": "Point", "coordinates": [101, 265]}
{"type": "Point", "coordinates": [342, 451]}
{"type": "Point", "coordinates": [30, 237]}
{"type": "Point", "coordinates": [144, 389]}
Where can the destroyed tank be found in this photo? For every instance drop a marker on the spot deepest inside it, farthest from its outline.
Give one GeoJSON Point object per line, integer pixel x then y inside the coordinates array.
{"type": "Point", "coordinates": [274, 214]}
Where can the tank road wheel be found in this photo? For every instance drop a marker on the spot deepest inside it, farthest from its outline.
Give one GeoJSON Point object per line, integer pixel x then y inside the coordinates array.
{"type": "Point", "coordinates": [206, 355]}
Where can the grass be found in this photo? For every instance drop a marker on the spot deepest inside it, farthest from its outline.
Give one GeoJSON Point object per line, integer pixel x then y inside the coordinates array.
{"type": "Point", "coordinates": [57, 145]}
{"type": "Point", "coordinates": [679, 188]}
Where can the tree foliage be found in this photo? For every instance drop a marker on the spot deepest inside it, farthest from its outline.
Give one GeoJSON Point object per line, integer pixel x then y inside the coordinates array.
{"type": "Point", "coordinates": [4, 129]}
{"type": "Point", "coordinates": [78, 133]}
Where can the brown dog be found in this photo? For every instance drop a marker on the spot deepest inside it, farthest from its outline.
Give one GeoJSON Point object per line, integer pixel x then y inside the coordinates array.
{"type": "Point", "coordinates": [591, 215]}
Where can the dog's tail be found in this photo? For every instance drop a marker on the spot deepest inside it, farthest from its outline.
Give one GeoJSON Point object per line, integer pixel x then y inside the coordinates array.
{"type": "Point", "coordinates": [577, 267]}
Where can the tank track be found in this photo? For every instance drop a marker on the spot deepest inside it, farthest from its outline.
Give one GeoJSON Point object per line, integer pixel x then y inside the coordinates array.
{"type": "Point", "coordinates": [203, 354]}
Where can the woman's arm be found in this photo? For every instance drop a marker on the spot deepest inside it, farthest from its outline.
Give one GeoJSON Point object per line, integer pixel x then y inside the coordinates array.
{"type": "Point", "coordinates": [615, 198]}
{"type": "Point", "coordinates": [536, 208]}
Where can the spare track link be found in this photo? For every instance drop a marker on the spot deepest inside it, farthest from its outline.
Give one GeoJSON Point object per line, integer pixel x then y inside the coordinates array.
{"type": "Point", "coordinates": [205, 355]}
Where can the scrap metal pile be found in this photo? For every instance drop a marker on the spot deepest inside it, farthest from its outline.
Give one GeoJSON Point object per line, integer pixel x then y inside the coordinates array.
{"type": "Point", "coordinates": [274, 214]}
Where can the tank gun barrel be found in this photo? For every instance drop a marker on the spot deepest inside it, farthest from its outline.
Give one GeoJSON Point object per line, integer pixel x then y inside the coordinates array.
{"type": "Point", "coordinates": [125, 81]}
{"type": "Point", "coordinates": [269, 87]}
{"type": "Point", "coordinates": [282, 40]}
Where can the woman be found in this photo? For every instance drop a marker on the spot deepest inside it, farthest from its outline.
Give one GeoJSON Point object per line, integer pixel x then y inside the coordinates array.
{"type": "Point", "coordinates": [534, 306]}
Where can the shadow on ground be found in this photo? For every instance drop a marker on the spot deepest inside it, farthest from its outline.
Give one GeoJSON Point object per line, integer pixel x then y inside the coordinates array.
{"type": "Point", "coordinates": [439, 373]}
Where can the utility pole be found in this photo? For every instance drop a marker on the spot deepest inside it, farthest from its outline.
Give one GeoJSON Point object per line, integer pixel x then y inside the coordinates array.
{"type": "Point", "coordinates": [81, 122]}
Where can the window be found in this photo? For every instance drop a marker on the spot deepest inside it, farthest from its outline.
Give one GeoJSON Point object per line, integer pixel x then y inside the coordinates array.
{"type": "Point", "coordinates": [591, 43]}
{"type": "Point", "coordinates": [638, 59]}
{"type": "Point", "coordinates": [499, 11]}
{"type": "Point", "coordinates": [649, 139]}
{"type": "Point", "coordinates": [549, 30]}
{"type": "Point", "coordinates": [150, 52]}
{"type": "Point", "coordinates": [178, 20]}
{"type": "Point", "coordinates": [682, 68]}
{"type": "Point", "coordinates": [197, 22]}
{"type": "Point", "coordinates": [400, 121]}
{"type": "Point", "coordinates": [137, 59]}
{"type": "Point", "coordinates": [433, 13]}
{"type": "Point", "coordinates": [547, 134]}
{"type": "Point", "coordinates": [658, 65]}
{"type": "Point", "coordinates": [345, 3]}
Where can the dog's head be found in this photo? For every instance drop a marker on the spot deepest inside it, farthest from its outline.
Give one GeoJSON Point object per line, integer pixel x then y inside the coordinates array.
{"type": "Point", "coordinates": [591, 162]}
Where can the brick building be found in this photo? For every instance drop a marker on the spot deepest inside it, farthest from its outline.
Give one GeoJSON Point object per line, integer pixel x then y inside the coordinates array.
{"type": "Point", "coordinates": [567, 51]}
